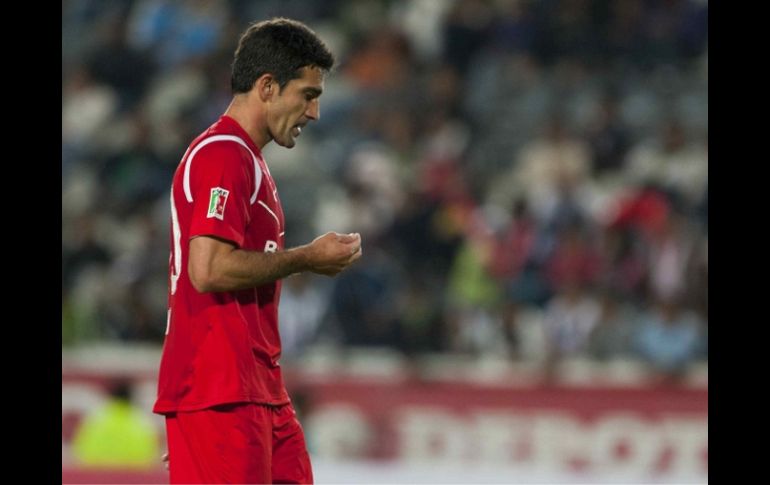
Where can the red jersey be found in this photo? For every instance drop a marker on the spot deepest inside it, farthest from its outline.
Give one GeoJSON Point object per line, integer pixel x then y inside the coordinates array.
{"type": "Point", "coordinates": [222, 347]}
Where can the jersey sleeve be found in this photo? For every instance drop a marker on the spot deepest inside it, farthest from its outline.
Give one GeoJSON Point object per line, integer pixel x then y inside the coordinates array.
{"type": "Point", "coordinates": [221, 184]}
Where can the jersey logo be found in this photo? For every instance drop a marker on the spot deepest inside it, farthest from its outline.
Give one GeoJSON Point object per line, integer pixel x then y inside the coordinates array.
{"type": "Point", "coordinates": [217, 203]}
{"type": "Point", "coordinates": [271, 246]}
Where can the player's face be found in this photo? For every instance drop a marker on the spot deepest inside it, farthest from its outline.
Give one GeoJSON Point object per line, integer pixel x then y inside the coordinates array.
{"type": "Point", "coordinates": [295, 106]}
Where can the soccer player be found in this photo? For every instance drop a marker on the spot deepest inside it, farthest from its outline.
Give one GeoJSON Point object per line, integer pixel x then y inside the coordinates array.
{"type": "Point", "coordinates": [228, 416]}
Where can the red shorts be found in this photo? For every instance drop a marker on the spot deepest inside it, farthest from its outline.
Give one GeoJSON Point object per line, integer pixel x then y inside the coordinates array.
{"type": "Point", "coordinates": [237, 443]}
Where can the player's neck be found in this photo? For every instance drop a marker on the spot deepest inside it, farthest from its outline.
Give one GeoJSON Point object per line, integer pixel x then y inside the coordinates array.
{"type": "Point", "coordinates": [250, 118]}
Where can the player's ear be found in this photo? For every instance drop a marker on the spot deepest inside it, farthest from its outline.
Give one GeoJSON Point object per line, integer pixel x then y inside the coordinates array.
{"type": "Point", "coordinates": [266, 87]}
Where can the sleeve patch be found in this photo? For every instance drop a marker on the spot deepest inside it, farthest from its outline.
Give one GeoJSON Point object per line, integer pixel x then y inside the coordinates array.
{"type": "Point", "coordinates": [217, 203]}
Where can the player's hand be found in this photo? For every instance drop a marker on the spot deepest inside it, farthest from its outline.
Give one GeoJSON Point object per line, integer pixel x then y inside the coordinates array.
{"type": "Point", "coordinates": [331, 253]}
{"type": "Point", "coordinates": [164, 458]}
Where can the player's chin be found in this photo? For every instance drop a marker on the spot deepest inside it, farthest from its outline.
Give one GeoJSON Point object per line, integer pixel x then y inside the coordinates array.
{"type": "Point", "coordinates": [287, 142]}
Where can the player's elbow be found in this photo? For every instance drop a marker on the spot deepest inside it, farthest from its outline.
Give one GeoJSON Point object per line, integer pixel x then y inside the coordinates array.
{"type": "Point", "coordinates": [202, 278]}
{"type": "Point", "coordinates": [207, 263]}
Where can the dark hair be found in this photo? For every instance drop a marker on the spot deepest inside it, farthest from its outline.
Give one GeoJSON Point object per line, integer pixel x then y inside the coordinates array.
{"type": "Point", "coordinates": [278, 46]}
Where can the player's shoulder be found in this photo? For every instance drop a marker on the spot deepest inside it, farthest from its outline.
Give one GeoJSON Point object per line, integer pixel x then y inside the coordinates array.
{"type": "Point", "coordinates": [221, 144]}
{"type": "Point", "coordinates": [220, 150]}
{"type": "Point", "coordinates": [224, 136]}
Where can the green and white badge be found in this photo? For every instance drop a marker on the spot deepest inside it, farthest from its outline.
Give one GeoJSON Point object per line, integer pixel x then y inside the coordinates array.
{"type": "Point", "coordinates": [217, 203]}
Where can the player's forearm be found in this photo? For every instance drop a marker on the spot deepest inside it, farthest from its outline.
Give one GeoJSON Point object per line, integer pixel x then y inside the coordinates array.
{"type": "Point", "coordinates": [240, 269]}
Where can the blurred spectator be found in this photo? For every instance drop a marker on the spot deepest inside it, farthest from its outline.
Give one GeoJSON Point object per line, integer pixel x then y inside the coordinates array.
{"type": "Point", "coordinates": [470, 283]}
{"type": "Point", "coordinates": [476, 331]}
{"type": "Point", "coordinates": [672, 163]}
{"type": "Point", "coordinates": [135, 176]}
{"type": "Point", "coordinates": [642, 211]}
{"type": "Point", "coordinates": [423, 324]}
{"type": "Point", "coordinates": [516, 245]}
{"type": "Point", "coordinates": [117, 435]}
{"type": "Point", "coordinates": [671, 250]}
{"type": "Point", "coordinates": [136, 300]}
{"type": "Point", "coordinates": [547, 166]}
{"type": "Point", "coordinates": [609, 137]}
{"type": "Point", "coordinates": [668, 337]}
{"type": "Point", "coordinates": [118, 65]}
{"type": "Point", "coordinates": [304, 305]}
{"type": "Point", "coordinates": [569, 319]}
{"type": "Point", "coordinates": [364, 302]}
{"type": "Point", "coordinates": [87, 105]}
{"type": "Point", "coordinates": [83, 249]}
{"type": "Point", "coordinates": [623, 262]}
{"type": "Point", "coordinates": [612, 336]}
{"type": "Point", "coordinates": [523, 331]}
{"type": "Point", "coordinates": [374, 190]}
{"type": "Point", "coordinates": [430, 226]}
{"type": "Point", "coordinates": [474, 296]}
{"type": "Point", "coordinates": [519, 254]}
{"type": "Point", "coordinates": [573, 261]}
{"type": "Point", "coordinates": [380, 62]}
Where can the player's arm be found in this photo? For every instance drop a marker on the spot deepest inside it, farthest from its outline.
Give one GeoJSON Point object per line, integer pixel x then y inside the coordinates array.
{"type": "Point", "coordinates": [218, 265]}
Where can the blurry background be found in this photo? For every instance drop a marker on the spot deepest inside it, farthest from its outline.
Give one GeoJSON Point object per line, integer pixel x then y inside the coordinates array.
{"type": "Point", "coordinates": [530, 179]}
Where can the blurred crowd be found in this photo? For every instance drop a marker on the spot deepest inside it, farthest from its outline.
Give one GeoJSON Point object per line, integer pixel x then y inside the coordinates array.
{"type": "Point", "coordinates": [530, 178]}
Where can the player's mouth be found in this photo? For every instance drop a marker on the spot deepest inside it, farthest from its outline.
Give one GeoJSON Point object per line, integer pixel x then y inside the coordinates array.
{"type": "Point", "coordinates": [296, 130]}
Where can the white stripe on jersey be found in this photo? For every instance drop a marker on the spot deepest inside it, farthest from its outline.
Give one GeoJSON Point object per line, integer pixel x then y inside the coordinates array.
{"type": "Point", "coordinates": [177, 232]}
{"type": "Point", "coordinates": [257, 170]}
{"type": "Point", "coordinates": [271, 212]}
